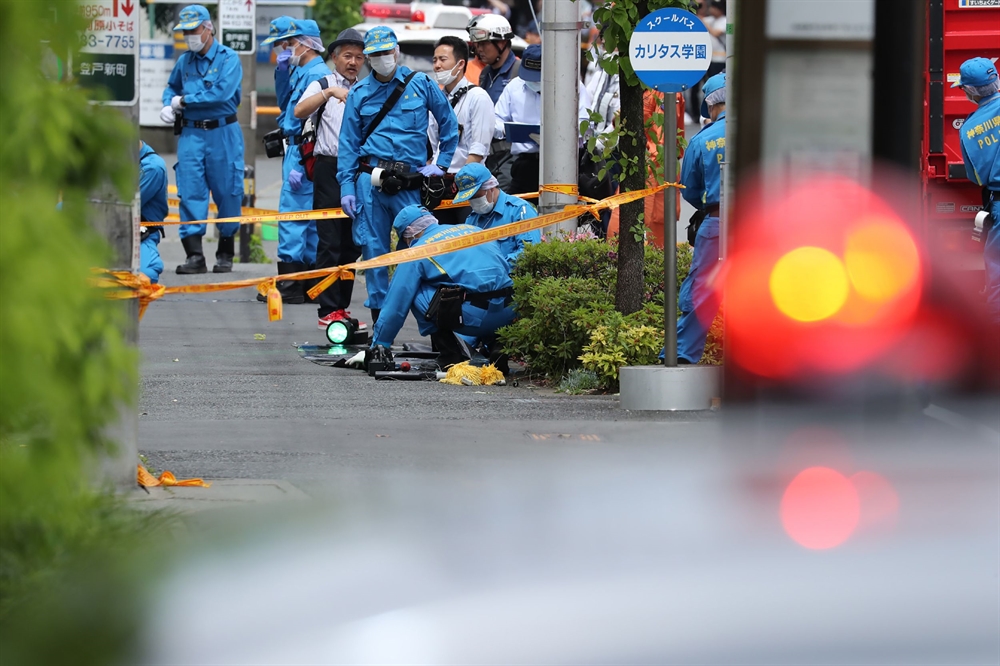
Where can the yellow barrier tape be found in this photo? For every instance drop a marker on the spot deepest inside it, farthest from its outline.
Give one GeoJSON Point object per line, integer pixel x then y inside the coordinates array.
{"type": "Point", "coordinates": [167, 479]}
{"type": "Point", "coordinates": [173, 220]}
{"type": "Point", "coordinates": [140, 287]}
{"type": "Point", "coordinates": [561, 188]}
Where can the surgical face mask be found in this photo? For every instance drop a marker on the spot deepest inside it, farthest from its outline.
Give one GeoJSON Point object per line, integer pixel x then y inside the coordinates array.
{"type": "Point", "coordinates": [534, 86]}
{"type": "Point", "coordinates": [446, 76]}
{"type": "Point", "coordinates": [194, 43]}
{"type": "Point", "coordinates": [482, 205]}
{"type": "Point", "coordinates": [383, 65]}
{"type": "Point", "coordinates": [294, 60]}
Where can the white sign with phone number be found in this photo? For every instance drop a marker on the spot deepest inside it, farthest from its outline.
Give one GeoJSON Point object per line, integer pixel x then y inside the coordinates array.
{"type": "Point", "coordinates": [109, 48]}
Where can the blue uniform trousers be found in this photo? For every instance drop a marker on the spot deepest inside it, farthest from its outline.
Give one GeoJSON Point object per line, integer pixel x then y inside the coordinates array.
{"type": "Point", "coordinates": [210, 160]}
{"type": "Point", "coordinates": [698, 302]}
{"type": "Point", "coordinates": [297, 241]}
{"type": "Point", "coordinates": [479, 325]}
{"type": "Point", "coordinates": [150, 262]}
{"type": "Point", "coordinates": [991, 257]}
{"type": "Point", "coordinates": [372, 228]}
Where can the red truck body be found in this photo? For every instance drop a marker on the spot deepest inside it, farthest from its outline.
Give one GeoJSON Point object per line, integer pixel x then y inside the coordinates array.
{"type": "Point", "coordinates": [956, 30]}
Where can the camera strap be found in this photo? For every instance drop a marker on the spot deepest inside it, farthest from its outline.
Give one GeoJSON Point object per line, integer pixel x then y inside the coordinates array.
{"type": "Point", "coordinates": [389, 103]}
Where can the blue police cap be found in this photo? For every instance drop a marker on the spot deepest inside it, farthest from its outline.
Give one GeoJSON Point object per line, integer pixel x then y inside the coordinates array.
{"type": "Point", "coordinates": [380, 38]}
{"type": "Point", "coordinates": [469, 179]}
{"type": "Point", "coordinates": [408, 216]}
{"type": "Point", "coordinates": [531, 63]}
{"type": "Point", "coordinates": [279, 27]}
{"type": "Point", "coordinates": [713, 84]}
{"type": "Point", "coordinates": [976, 72]}
{"type": "Point", "coordinates": [191, 17]}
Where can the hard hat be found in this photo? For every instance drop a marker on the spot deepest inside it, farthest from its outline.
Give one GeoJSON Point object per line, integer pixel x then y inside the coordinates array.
{"type": "Point", "coordinates": [976, 72]}
{"type": "Point", "coordinates": [714, 83]}
{"type": "Point", "coordinates": [487, 27]}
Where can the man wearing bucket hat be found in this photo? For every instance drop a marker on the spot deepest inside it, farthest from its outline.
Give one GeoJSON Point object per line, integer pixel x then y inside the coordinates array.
{"type": "Point", "coordinates": [701, 175]}
{"type": "Point", "coordinates": [466, 292]}
{"type": "Point", "coordinates": [297, 241]}
{"type": "Point", "coordinates": [981, 152]}
{"type": "Point", "coordinates": [521, 102]}
{"type": "Point", "coordinates": [382, 160]}
{"type": "Point", "coordinates": [203, 92]}
{"type": "Point", "coordinates": [492, 207]}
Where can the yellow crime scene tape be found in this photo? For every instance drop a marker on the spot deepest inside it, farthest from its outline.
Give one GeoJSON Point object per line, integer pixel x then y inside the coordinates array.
{"type": "Point", "coordinates": [124, 284]}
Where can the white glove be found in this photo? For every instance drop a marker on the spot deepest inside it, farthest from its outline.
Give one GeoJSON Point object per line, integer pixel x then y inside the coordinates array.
{"type": "Point", "coordinates": [167, 115]}
{"type": "Point", "coordinates": [175, 103]}
{"type": "Point", "coordinates": [358, 360]}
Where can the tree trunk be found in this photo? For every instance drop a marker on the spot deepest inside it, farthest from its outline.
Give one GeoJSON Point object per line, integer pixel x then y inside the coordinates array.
{"type": "Point", "coordinates": [631, 252]}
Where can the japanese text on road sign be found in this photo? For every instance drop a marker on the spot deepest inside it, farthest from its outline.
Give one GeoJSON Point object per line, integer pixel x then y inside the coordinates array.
{"type": "Point", "coordinates": [109, 49]}
{"type": "Point", "coordinates": [670, 50]}
{"type": "Point", "coordinates": [238, 25]}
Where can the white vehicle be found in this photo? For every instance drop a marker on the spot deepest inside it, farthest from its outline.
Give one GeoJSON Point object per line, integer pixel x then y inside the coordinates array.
{"type": "Point", "coordinates": [418, 27]}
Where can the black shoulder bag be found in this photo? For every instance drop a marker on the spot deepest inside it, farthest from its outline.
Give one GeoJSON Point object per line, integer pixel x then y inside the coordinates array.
{"type": "Point", "coordinates": [389, 103]}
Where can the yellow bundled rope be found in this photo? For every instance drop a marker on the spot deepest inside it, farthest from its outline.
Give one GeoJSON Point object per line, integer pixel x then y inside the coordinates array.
{"type": "Point", "coordinates": [464, 374]}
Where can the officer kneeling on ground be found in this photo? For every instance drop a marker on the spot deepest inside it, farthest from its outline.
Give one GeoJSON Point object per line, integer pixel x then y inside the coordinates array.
{"type": "Point", "coordinates": [492, 207]}
{"type": "Point", "coordinates": [468, 292]}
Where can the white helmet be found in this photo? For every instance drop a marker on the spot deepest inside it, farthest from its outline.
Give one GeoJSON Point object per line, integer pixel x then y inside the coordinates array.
{"type": "Point", "coordinates": [487, 27]}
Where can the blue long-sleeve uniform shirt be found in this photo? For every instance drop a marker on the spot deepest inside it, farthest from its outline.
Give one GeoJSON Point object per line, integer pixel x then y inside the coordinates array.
{"type": "Point", "coordinates": [210, 83]}
{"type": "Point", "coordinates": [480, 268]}
{"type": "Point", "coordinates": [508, 209]}
{"type": "Point", "coordinates": [981, 143]}
{"type": "Point", "coordinates": [282, 89]}
{"type": "Point", "coordinates": [152, 185]}
{"type": "Point", "coordinates": [701, 172]}
{"type": "Point", "coordinates": [298, 81]}
{"type": "Point", "coordinates": [402, 135]}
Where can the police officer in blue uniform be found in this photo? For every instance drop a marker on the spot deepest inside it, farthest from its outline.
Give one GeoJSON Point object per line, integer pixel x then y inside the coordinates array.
{"type": "Point", "coordinates": [701, 175]}
{"type": "Point", "coordinates": [282, 70]}
{"type": "Point", "coordinates": [297, 241]}
{"type": "Point", "coordinates": [382, 168]}
{"type": "Point", "coordinates": [203, 92]}
{"type": "Point", "coordinates": [492, 207]}
{"type": "Point", "coordinates": [153, 198]}
{"type": "Point", "coordinates": [980, 135]}
{"type": "Point", "coordinates": [477, 277]}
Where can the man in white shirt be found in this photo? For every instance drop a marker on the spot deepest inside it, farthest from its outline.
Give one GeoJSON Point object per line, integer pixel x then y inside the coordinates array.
{"type": "Point", "coordinates": [472, 106]}
{"type": "Point", "coordinates": [326, 96]}
{"type": "Point", "coordinates": [521, 102]}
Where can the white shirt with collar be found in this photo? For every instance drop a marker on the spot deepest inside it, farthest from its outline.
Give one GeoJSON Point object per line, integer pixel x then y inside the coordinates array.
{"type": "Point", "coordinates": [328, 136]}
{"type": "Point", "coordinates": [520, 104]}
{"type": "Point", "coordinates": [475, 124]}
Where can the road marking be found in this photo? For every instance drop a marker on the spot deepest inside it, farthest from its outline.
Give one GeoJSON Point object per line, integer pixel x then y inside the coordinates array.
{"type": "Point", "coordinates": [545, 436]}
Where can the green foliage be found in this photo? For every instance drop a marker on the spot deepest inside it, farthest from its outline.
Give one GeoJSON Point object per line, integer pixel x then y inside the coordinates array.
{"type": "Point", "coordinates": [334, 16]}
{"type": "Point", "coordinates": [578, 382]}
{"type": "Point", "coordinates": [66, 368]}
{"type": "Point", "coordinates": [257, 254]}
{"type": "Point", "coordinates": [618, 343]}
{"type": "Point", "coordinates": [564, 290]}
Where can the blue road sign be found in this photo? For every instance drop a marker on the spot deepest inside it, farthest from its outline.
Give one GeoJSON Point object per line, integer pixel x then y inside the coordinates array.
{"type": "Point", "coordinates": [670, 50]}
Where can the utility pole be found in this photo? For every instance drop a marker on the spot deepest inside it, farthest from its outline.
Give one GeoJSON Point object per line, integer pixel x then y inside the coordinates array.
{"type": "Point", "coordinates": [559, 160]}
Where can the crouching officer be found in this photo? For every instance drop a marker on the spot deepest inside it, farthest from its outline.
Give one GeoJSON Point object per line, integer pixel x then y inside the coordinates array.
{"type": "Point", "coordinates": [981, 152]}
{"type": "Point", "coordinates": [202, 94]}
{"type": "Point", "coordinates": [492, 207]}
{"type": "Point", "coordinates": [153, 197]}
{"type": "Point", "coordinates": [467, 292]}
{"type": "Point", "coordinates": [701, 175]}
{"type": "Point", "coordinates": [382, 160]}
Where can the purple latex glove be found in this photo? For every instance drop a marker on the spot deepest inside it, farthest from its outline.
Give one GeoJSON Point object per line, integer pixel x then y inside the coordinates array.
{"type": "Point", "coordinates": [295, 180]}
{"type": "Point", "coordinates": [347, 204]}
{"type": "Point", "coordinates": [283, 60]}
{"type": "Point", "coordinates": [430, 170]}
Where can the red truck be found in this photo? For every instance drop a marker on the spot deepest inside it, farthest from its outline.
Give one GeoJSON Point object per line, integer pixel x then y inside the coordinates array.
{"type": "Point", "coordinates": [956, 31]}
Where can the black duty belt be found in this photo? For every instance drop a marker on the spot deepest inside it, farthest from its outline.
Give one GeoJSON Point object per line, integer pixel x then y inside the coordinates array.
{"type": "Point", "coordinates": [210, 124]}
{"type": "Point", "coordinates": [326, 158]}
{"type": "Point", "coordinates": [369, 163]}
{"type": "Point", "coordinates": [712, 210]}
{"type": "Point", "coordinates": [481, 299]}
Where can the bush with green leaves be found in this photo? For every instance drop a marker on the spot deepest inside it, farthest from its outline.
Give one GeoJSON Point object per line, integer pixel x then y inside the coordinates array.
{"type": "Point", "coordinates": [66, 367]}
{"type": "Point", "coordinates": [617, 344]}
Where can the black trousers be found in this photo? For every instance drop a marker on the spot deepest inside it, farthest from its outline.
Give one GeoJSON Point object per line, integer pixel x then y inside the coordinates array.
{"type": "Point", "coordinates": [336, 243]}
{"type": "Point", "coordinates": [452, 215]}
{"type": "Point", "coordinates": [524, 175]}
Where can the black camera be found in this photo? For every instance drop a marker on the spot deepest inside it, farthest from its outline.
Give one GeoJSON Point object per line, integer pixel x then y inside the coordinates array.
{"type": "Point", "coordinates": [379, 359]}
{"type": "Point", "coordinates": [274, 143]}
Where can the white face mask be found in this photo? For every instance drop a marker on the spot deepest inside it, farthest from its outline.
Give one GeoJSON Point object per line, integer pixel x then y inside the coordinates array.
{"type": "Point", "coordinates": [534, 86]}
{"type": "Point", "coordinates": [446, 76]}
{"type": "Point", "coordinates": [383, 65]}
{"type": "Point", "coordinates": [482, 205]}
{"type": "Point", "coordinates": [194, 43]}
{"type": "Point", "coordinates": [294, 60]}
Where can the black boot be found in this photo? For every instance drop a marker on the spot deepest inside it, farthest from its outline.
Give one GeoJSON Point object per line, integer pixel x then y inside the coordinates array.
{"type": "Point", "coordinates": [291, 290]}
{"type": "Point", "coordinates": [195, 257]}
{"type": "Point", "coordinates": [224, 255]}
{"type": "Point", "coordinates": [375, 313]}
